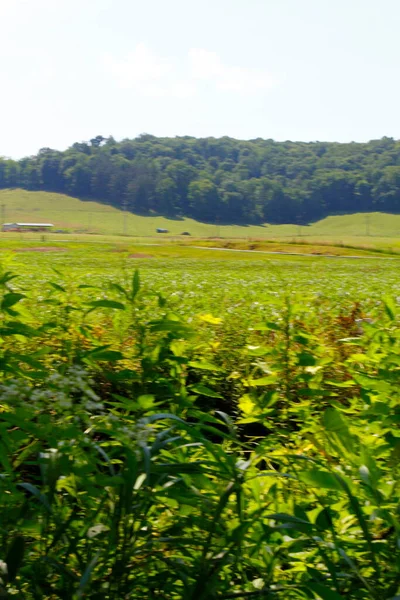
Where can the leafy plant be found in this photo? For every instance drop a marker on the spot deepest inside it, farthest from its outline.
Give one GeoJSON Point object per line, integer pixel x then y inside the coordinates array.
{"type": "Point", "coordinates": [145, 456]}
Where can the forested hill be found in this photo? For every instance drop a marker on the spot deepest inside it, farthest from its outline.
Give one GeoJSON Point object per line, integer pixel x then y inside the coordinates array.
{"type": "Point", "coordinates": [219, 180]}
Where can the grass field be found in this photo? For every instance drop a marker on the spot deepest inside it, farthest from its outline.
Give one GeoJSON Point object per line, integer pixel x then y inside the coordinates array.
{"type": "Point", "coordinates": [77, 215]}
{"type": "Point", "coordinates": [192, 423]}
{"type": "Point", "coordinates": [174, 270]}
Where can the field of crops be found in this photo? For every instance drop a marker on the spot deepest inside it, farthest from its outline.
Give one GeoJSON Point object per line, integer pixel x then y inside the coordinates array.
{"type": "Point", "coordinates": [192, 424]}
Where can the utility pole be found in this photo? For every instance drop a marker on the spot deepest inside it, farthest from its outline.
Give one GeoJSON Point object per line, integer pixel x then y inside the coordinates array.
{"type": "Point", "coordinates": [3, 213]}
{"type": "Point", "coordinates": [367, 230]}
{"type": "Point", "coordinates": [124, 217]}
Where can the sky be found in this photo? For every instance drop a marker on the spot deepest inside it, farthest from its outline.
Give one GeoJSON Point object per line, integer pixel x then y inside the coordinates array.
{"type": "Point", "coordinates": [326, 70]}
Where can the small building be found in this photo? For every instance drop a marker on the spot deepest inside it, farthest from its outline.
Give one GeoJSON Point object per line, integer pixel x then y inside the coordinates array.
{"type": "Point", "coordinates": [27, 226]}
{"type": "Point", "coordinates": [159, 230]}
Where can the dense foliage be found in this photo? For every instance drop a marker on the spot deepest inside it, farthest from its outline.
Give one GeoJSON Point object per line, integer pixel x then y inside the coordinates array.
{"type": "Point", "coordinates": [151, 449]}
{"type": "Point", "coordinates": [220, 180]}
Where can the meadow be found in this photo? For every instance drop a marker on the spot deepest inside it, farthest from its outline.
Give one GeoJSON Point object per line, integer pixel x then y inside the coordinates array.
{"type": "Point", "coordinates": [86, 217]}
{"type": "Point", "coordinates": [194, 424]}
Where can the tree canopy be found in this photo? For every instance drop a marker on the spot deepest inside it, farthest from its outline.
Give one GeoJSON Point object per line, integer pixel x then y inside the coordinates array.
{"type": "Point", "coordinates": [219, 180]}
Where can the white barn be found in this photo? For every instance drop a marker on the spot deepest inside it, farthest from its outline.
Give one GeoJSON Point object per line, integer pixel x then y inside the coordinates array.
{"type": "Point", "coordinates": [26, 226]}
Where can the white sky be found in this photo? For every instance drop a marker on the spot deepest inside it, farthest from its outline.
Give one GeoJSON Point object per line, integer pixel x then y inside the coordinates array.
{"type": "Point", "coordinates": [282, 69]}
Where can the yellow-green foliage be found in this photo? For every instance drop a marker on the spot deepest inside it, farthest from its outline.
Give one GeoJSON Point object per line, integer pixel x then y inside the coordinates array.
{"type": "Point", "coordinates": [207, 428]}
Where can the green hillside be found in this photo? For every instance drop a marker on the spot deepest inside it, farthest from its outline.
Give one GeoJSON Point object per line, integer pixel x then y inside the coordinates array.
{"type": "Point", "coordinates": [219, 179]}
{"type": "Point", "coordinates": [76, 215]}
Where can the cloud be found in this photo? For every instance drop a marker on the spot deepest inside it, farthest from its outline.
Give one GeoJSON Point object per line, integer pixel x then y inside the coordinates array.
{"type": "Point", "coordinates": [21, 10]}
{"type": "Point", "coordinates": [138, 68]}
{"type": "Point", "coordinates": [156, 76]}
{"type": "Point", "coordinates": [149, 74]}
{"type": "Point", "coordinates": [208, 66]}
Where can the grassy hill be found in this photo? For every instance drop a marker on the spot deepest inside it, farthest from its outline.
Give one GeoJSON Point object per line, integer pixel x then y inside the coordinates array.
{"type": "Point", "coordinates": [91, 217]}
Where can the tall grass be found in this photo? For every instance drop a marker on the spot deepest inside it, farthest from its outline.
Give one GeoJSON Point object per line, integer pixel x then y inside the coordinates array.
{"type": "Point", "coordinates": [132, 464]}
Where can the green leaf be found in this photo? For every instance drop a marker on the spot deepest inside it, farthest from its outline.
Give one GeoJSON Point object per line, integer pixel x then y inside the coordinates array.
{"type": "Point", "coordinates": [248, 406]}
{"type": "Point", "coordinates": [169, 325]}
{"type": "Point", "coordinates": [135, 284]}
{"type": "Point", "coordinates": [145, 401]}
{"type": "Point", "coordinates": [15, 557]}
{"type": "Point", "coordinates": [205, 366]}
{"type": "Point", "coordinates": [390, 308]}
{"type": "Point", "coordinates": [106, 304]}
{"type": "Point", "coordinates": [10, 299]}
{"type": "Point", "coordinates": [18, 328]}
{"type": "Point", "coordinates": [106, 355]}
{"type": "Point", "coordinates": [337, 432]}
{"type": "Point", "coordinates": [266, 327]}
{"type": "Point", "coordinates": [139, 481]}
{"type": "Point", "coordinates": [305, 359]}
{"type": "Point", "coordinates": [357, 509]}
{"type": "Point", "coordinates": [257, 350]}
{"type": "Point", "coordinates": [203, 390]}
{"type": "Point", "coordinates": [353, 566]}
{"type": "Point", "coordinates": [273, 326]}
{"type": "Point", "coordinates": [161, 300]}
{"type": "Point", "coordinates": [269, 380]}
{"type": "Point", "coordinates": [57, 286]}
{"type": "Point", "coordinates": [320, 479]}
{"type": "Point", "coordinates": [27, 359]}
{"type": "Point", "coordinates": [161, 417]}
{"type": "Point", "coordinates": [86, 286]}
{"type": "Point", "coordinates": [342, 384]}
{"type": "Point", "coordinates": [288, 519]}
{"type": "Point", "coordinates": [86, 576]}
{"type": "Point", "coordinates": [333, 421]}
{"type": "Point", "coordinates": [32, 489]}
{"type": "Point", "coordinates": [8, 276]}
{"type": "Point", "coordinates": [324, 592]}
{"type": "Point", "coordinates": [324, 520]}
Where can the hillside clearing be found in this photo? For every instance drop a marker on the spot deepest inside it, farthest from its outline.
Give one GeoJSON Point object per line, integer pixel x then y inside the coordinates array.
{"type": "Point", "coordinates": [77, 216]}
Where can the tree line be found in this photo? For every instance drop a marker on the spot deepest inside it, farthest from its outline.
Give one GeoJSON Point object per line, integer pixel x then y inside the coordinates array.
{"type": "Point", "coordinates": [219, 180]}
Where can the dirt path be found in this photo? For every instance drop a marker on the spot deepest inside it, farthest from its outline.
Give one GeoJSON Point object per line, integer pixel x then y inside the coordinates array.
{"type": "Point", "coordinates": [297, 253]}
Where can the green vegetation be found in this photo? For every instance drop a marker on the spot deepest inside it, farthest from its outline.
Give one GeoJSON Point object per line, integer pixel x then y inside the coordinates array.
{"type": "Point", "coordinates": [211, 427]}
{"type": "Point", "coordinates": [220, 181]}
{"type": "Point", "coordinates": [369, 230]}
